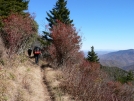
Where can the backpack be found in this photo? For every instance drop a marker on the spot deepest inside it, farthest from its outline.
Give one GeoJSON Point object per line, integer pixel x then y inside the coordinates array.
{"type": "Point", "coordinates": [37, 50]}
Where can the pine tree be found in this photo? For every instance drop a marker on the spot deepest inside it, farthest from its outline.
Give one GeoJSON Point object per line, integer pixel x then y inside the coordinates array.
{"type": "Point", "coordinates": [59, 12]}
{"type": "Point", "coordinates": [126, 78]}
{"type": "Point", "coordinates": [92, 56]}
{"type": "Point", "coordinates": [130, 76]}
{"type": "Point", "coordinates": [8, 6]}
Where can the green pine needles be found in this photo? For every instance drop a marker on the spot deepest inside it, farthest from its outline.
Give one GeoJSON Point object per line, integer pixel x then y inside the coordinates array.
{"type": "Point", "coordinates": [92, 56]}
{"type": "Point", "coordinates": [12, 6]}
{"type": "Point", "coordinates": [8, 6]}
{"type": "Point", "coordinates": [59, 12]}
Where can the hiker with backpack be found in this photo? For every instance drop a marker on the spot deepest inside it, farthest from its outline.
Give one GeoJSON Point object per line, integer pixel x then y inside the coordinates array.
{"type": "Point", "coordinates": [36, 52]}
{"type": "Point", "coordinates": [29, 51]}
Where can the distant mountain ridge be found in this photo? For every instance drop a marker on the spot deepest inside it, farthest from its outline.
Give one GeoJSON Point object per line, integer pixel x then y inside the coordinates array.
{"type": "Point", "coordinates": [99, 52]}
{"type": "Point", "coordinates": [129, 67]}
{"type": "Point", "coordinates": [122, 59]}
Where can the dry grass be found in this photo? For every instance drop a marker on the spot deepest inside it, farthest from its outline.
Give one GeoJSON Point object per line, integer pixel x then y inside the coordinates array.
{"type": "Point", "coordinates": [53, 79]}
{"type": "Point", "coordinates": [22, 83]}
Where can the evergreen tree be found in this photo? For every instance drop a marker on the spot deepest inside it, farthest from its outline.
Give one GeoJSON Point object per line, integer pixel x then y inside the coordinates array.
{"type": "Point", "coordinates": [92, 56]}
{"type": "Point", "coordinates": [59, 12]}
{"type": "Point", "coordinates": [8, 6]}
{"type": "Point", "coordinates": [126, 78]}
{"type": "Point", "coordinates": [130, 76]}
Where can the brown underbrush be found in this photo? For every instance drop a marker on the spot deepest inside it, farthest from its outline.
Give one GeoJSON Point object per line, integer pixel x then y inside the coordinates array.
{"type": "Point", "coordinates": [86, 82]}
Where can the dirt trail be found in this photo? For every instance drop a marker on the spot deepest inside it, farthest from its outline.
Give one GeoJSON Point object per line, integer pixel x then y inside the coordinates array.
{"type": "Point", "coordinates": [48, 90]}
{"type": "Point", "coordinates": [50, 81]}
{"type": "Point", "coordinates": [47, 94]}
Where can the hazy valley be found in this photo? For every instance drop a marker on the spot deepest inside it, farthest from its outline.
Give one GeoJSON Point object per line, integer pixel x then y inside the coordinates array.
{"type": "Point", "coordinates": [123, 59]}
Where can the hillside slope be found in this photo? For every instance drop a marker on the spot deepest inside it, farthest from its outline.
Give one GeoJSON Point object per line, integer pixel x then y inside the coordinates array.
{"type": "Point", "coordinates": [23, 83]}
{"type": "Point", "coordinates": [129, 67]}
{"type": "Point", "coordinates": [120, 59]}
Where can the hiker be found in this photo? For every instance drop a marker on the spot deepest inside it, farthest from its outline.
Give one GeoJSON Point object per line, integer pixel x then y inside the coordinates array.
{"type": "Point", "coordinates": [29, 52]}
{"type": "Point", "coordinates": [36, 52]}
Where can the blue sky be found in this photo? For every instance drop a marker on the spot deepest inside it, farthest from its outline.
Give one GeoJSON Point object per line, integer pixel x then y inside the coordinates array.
{"type": "Point", "coordinates": [104, 24]}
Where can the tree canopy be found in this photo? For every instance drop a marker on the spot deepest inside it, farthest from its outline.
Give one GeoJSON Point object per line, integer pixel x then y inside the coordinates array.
{"type": "Point", "coordinates": [92, 56]}
{"type": "Point", "coordinates": [59, 12]}
{"type": "Point", "coordinates": [7, 6]}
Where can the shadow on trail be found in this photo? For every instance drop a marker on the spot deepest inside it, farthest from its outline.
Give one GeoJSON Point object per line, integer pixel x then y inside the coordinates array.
{"type": "Point", "coordinates": [45, 65]}
{"type": "Point", "coordinates": [32, 59]}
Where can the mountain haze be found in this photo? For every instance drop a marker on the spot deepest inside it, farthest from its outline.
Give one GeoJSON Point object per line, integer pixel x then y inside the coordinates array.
{"type": "Point", "coordinates": [129, 67]}
{"type": "Point", "coordinates": [98, 52]}
{"type": "Point", "coordinates": [123, 59]}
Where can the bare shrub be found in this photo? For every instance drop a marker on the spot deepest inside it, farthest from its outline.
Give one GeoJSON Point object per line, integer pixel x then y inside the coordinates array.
{"type": "Point", "coordinates": [85, 82]}
{"type": "Point", "coordinates": [66, 43]}
{"type": "Point", "coordinates": [2, 47]}
{"type": "Point", "coordinates": [16, 31]}
{"type": "Point", "coordinates": [52, 57]}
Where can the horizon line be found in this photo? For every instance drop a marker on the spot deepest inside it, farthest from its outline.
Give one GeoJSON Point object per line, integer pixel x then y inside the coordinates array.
{"type": "Point", "coordinates": [105, 49]}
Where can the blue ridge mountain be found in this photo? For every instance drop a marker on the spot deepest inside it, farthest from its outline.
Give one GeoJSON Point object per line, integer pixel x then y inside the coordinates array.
{"type": "Point", "coordinates": [123, 59]}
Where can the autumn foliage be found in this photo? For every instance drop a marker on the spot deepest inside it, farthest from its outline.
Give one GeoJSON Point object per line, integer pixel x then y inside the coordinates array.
{"type": "Point", "coordinates": [86, 82]}
{"type": "Point", "coordinates": [83, 79]}
{"type": "Point", "coordinates": [66, 43]}
{"type": "Point", "coordinates": [16, 31]}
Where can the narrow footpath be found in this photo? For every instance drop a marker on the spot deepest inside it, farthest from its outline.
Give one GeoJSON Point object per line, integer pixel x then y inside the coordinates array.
{"type": "Point", "coordinates": [47, 94]}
